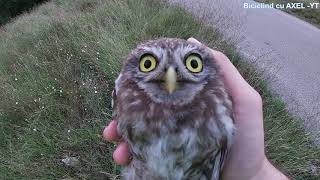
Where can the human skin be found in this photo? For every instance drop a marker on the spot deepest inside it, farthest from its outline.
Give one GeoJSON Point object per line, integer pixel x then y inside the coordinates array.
{"type": "Point", "coordinates": [247, 159]}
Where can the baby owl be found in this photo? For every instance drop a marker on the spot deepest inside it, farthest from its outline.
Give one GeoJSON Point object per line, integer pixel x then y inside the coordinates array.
{"type": "Point", "coordinates": [174, 112]}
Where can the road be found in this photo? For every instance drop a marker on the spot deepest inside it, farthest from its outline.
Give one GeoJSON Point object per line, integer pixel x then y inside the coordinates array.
{"type": "Point", "coordinates": [286, 48]}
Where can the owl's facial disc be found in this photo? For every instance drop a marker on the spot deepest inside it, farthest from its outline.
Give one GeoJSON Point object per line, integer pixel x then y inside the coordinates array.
{"type": "Point", "coordinates": [170, 71]}
{"type": "Point", "coordinates": [171, 78]}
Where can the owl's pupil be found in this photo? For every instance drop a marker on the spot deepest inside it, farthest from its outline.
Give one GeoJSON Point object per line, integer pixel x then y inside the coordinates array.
{"type": "Point", "coordinates": [147, 64]}
{"type": "Point", "coordinates": [194, 64]}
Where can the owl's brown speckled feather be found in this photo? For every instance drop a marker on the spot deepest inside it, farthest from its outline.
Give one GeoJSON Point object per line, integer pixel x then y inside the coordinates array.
{"type": "Point", "coordinates": [179, 135]}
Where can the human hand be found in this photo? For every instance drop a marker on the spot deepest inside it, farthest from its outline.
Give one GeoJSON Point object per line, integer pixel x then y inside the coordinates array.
{"type": "Point", "coordinates": [247, 158]}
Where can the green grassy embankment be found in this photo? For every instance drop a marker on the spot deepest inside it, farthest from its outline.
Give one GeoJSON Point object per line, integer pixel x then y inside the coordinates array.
{"type": "Point", "coordinates": [57, 70]}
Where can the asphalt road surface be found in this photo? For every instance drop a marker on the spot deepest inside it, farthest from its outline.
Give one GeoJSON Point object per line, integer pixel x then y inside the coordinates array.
{"type": "Point", "coordinates": [286, 48]}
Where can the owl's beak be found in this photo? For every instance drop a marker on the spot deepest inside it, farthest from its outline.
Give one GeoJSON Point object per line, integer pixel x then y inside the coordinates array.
{"type": "Point", "coordinates": [171, 80]}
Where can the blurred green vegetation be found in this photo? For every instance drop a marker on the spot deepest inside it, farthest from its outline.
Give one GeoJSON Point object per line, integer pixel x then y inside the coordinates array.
{"type": "Point", "coordinates": [12, 8]}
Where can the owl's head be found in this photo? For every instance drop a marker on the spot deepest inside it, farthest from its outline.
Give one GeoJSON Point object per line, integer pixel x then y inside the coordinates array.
{"type": "Point", "coordinates": [171, 71]}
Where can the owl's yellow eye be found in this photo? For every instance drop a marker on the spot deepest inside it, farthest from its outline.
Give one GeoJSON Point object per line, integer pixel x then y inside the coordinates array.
{"type": "Point", "coordinates": [194, 63]}
{"type": "Point", "coordinates": [148, 63]}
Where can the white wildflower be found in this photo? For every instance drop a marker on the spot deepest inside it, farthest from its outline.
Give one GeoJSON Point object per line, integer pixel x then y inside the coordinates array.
{"type": "Point", "coordinates": [71, 161]}
{"type": "Point", "coordinates": [17, 103]}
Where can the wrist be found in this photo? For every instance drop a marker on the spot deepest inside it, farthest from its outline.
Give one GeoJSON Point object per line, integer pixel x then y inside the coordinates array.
{"type": "Point", "coordinates": [268, 171]}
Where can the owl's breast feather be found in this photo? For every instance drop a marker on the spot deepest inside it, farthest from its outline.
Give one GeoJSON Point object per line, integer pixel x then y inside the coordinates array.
{"type": "Point", "coordinates": [174, 142]}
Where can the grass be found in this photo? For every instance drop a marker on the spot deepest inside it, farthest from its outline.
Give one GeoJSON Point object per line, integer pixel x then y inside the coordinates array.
{"type": "Point", "coordinates": [57, 69]}
{"type": "Point", "coordinates": [310, 15]}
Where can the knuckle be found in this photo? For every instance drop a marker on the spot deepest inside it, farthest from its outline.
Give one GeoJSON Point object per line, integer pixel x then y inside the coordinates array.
{"type": "Point", "coordinates": [249, 98]}
{"type": "Point", "coordinates": [256, 98]}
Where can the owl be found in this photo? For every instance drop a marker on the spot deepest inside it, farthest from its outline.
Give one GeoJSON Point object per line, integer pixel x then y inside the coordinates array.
{"type": "Point", "coordinates": [173, 111]}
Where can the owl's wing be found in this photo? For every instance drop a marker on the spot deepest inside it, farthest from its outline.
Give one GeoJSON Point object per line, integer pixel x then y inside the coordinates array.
{"type": "Point", "coordinates": [114, 103]}
{"type": "Point", "coordinates": [218, 162]}
{"type": "Point", "coordinates": [114, 97]}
